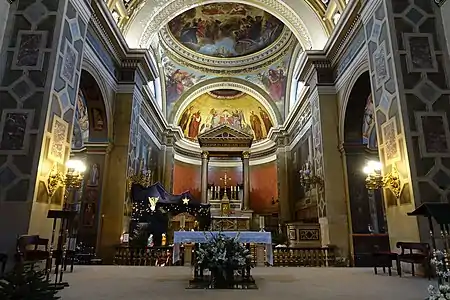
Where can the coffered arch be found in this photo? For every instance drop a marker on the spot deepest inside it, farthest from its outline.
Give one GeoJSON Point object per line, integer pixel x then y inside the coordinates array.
{"type": "Point", "coordinates": [227, 83]}
{"type": "Point", "coordinates": [297, 15]}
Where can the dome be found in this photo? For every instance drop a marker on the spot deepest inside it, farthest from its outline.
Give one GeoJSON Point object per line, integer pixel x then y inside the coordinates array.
{"type": "Point", "coordinates": [226, 30]}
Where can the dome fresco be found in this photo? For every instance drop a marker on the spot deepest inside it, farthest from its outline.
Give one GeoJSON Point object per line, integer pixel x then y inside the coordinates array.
{"type": "Point", "coordinates": [226, 29]}
{"type": "Point", "coordinates": [212, 109]}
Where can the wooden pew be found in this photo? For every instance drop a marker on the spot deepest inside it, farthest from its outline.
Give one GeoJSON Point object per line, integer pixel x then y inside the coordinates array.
{"type": "Point", "coordinates": [419, 253]}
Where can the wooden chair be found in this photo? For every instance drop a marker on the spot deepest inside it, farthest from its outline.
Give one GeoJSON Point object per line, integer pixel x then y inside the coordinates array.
{"type": "Point", "coordinates": [31, 249]}
{"type": "Point", "coordinates": [419, 253]}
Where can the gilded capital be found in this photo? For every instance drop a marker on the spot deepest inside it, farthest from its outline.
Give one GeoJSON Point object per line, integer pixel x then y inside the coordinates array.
{"type": "Point", "coordinates": [246, 154]}
{"type": "Point", "coordinates": [205, 154]}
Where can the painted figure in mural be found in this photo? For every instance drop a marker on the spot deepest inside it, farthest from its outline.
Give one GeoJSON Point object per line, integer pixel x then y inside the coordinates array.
{"type": "Point", "coordinates": [98, 119]}
{"type": "Point", "coordinates": [368, 121]}
{"type": "Point", "coordinates": [256, 125]}
{"type": "Point", "coordinates": [226, 29]}
{"type": "Point", "coordinates": [81, 125]}
{"type": "Point", "coordinates": [176, 82]}
{"type": "Point", "coordinates": [194, 126]}
{"type": "Point", "coordinates": [94, 175]}
{"type": "Point", "coordinates": [266, 119]}
{"type": "Point", "coordinates": [184, 121]}
{"type": "Point", "coordinates": [276, 83]}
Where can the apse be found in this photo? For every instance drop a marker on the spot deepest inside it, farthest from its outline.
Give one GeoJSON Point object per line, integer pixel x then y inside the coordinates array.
{"type": "Point", "coordinates": [225, 106]}
{"type": "Point", "coordinates": [226, 29]}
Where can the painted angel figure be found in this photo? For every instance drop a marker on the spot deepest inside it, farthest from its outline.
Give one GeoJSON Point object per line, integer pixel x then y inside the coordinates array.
{"type": "Point", "coordinates": [152, 202]}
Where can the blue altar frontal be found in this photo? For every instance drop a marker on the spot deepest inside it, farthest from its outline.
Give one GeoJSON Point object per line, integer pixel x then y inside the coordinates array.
{"type": "Point", "coordinates": [182, 237]}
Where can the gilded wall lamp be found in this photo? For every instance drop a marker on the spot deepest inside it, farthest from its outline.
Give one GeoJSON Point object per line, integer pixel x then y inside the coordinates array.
{"type": "Point", "coordinates": [143, 178]}
{"type": "Point", "coordinates": [308, 179]}
{"type": "Point", "coordinates": [375, 180]}
{"type": "Point", "coordinates": [71, 180]}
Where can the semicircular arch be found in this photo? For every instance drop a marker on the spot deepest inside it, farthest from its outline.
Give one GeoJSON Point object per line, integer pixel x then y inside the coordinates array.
{"type": "Point", "coordinates": [359, 70]}
{"type": "Point", "coordinates": [143, 29]}
{"type": "Point", "coordinates": [226, 83]}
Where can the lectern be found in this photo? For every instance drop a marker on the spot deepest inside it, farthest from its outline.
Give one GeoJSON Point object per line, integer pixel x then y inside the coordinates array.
{"type": "Point", "coordinates": [66, 218]}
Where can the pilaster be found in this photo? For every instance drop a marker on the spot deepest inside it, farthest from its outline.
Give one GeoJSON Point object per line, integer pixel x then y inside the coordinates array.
{"type": "Point", "coordinates": [39, 71]}
{"type": "Point", "coordinates": [283, 182]}
{"type": "Point", "coordinates": [409, 69]}
{"type": "Point", "coordinates": [332, 205]}
{"type": "Point", "coordinates": [204, 179]}
{"type": "Point", "coordinates": [116, 194]}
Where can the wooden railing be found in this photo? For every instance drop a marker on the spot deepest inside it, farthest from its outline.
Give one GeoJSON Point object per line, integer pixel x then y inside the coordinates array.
{"type": "Point", "coordinates": [282, 257]}
{"type": "Point", "coordinates": [304, 257]}
{"type": "Point", "coordinates": [138, 256]}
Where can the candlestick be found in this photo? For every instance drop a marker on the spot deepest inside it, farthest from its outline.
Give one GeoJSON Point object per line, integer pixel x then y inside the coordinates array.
{"type": "Point", "coordinates": [261, 224]}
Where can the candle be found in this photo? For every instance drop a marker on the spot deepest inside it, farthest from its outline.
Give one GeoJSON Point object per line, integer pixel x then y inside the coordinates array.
{"type": "Point", "coordinates": [238, 189]}
{"type": "Point", "coordinates": [261, 223]}
{"type": "Point", "coordinates": [182, 222]}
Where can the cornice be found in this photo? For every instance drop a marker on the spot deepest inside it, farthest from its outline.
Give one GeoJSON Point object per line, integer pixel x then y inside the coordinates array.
{"type": "Point", "coordinates": [230, 70]}
{"type": "Point", "coordinates": [172, 45]}
{"type": "Point", "coordinates": [113, 40]}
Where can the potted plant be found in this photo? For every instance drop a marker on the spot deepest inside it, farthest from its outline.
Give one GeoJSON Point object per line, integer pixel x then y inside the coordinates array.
{"type": "Point", "coordinates": [222, 256]}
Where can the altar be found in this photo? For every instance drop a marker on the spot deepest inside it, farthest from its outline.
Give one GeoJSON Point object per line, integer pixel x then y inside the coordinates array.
{"type": "Point", "coordinates": [230, 204]}
{"type": "Point", "coordinates": [245, 237]}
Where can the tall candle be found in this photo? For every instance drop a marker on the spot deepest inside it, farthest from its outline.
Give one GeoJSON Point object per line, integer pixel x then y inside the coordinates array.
{"type": "Point", "coordinates": [261, 222]}
{"type": "Point", "coordinates": [182, 222]}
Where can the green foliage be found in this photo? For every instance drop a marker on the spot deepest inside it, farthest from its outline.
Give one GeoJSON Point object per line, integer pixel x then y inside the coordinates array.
{"type": "Point", "coordinates": [223, 254]}
{"type": "Point", "coordinates": [25, 282]}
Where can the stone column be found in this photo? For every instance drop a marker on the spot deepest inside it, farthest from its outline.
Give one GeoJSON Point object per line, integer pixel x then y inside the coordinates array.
{"type": "Point", "coordinates": [40, 71]}
{"type": "Point", "coordinates": [409, 75]}
{"type": "Point", "coordinates": [246, 175]}
{"type": "Point", "coordinates": [169, 161]}
{"type": "Point", "coordinates": [204, 182]}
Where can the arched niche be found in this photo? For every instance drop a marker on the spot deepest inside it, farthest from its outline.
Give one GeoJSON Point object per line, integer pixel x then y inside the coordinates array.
{"type": "Point", "coordinates": [366, 206]}
{"type": "Point", "coordinates": [91, 122]}
{"type": "Point", "coordinates": [226, 83]}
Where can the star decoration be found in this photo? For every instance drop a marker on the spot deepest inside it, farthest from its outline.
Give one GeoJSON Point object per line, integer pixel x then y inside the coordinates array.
{"type": "Point", "coordinates": [185, 201]}
{"type": "Point", "coordinates": [152, 201]}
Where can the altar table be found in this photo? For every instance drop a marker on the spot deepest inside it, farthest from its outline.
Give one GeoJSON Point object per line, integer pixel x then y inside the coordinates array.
{"type": "Point", "coordinates": [201, 237]}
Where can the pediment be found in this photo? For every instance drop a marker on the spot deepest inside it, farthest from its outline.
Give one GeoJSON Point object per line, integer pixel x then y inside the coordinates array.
{"type": "Point", "coordinates": [225, 134]}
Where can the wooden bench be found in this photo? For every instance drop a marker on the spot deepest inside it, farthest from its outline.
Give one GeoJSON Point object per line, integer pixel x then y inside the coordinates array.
{"type": "Point", "coordinates": [419, 253]}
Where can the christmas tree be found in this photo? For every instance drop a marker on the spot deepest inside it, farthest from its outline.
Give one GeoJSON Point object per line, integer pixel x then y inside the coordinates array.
{"type": "Point", "coordinates": [26, 282]}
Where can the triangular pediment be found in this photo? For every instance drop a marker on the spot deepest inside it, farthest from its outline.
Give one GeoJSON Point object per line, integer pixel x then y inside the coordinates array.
{"type": "Point", "coordinates": [225, 133]}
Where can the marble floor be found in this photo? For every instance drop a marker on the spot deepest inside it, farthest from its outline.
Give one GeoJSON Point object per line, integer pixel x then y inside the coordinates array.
{"type": "Point", "coordinates": [136, 283]}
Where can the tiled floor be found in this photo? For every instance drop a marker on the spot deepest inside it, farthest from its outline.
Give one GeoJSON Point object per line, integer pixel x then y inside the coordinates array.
{"type": "Point", "coordinates": [136, 283]}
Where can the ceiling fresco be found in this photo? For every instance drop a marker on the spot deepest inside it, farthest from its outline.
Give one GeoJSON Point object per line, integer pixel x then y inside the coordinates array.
{"type": "Point", "coordinates": [234, 108]}
{"type": "Point", "coordinates": [226, 29]}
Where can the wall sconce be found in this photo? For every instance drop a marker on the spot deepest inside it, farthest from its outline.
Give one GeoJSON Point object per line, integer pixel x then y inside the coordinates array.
{"type": "Point", "coordinates": [72, 179]}
{"type": "Point", "coordinates": [307, 179]}
{"type": "Point", "coordinates": [375, 180]}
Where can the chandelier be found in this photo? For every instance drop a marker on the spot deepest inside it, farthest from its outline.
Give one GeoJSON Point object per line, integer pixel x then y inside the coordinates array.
{"type": "Point", "coordinates": [375, 180]}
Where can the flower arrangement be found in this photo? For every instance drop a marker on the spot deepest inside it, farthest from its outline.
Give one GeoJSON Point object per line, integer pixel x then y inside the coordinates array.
{"type": "Point", "coordinates": [222, 256]}
{"type": "Point", "coordinates": [442, 291]}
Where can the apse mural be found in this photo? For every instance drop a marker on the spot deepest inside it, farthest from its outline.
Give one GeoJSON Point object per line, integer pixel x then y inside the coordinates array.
{"type": "Point", "coordinates": [81, 124]}
{"type": "Point", "coordinates": [226, 29]}
{"type": "Point", "coordinates": [231, 107]}
{"type": "Point", "coordinates": [369, 137]}
{"type": "Point", "coordinates": [178, 80]}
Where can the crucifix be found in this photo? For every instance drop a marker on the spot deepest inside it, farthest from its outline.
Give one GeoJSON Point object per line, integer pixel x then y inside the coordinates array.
{"type": "Point", "coordinates": [225, 180]}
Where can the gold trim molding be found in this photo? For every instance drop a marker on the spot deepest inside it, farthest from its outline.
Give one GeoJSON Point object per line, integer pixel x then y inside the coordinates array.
{"type": "Point", "coordinates": [172, 45]}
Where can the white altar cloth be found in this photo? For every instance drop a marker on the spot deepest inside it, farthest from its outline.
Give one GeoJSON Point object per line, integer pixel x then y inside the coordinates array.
{"type": "Point", "coordinates": [203, 236]}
